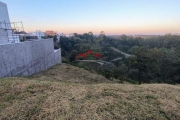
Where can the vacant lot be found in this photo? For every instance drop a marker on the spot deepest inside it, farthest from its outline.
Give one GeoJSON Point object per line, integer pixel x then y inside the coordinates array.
{"type": "Point", "coordinates": [68, 92]}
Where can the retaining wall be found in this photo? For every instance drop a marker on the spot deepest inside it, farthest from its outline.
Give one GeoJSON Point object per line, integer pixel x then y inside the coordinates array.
{"type": "Point", "coordinates": [3, 36]}
{"type": "Point", "coordinates": [27, 58]}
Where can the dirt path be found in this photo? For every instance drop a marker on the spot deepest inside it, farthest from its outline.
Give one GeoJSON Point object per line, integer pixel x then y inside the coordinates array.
{"type": "Point", "coordinates": [96, 61]}
{"type": "Point", "coordinates": [119, 58]}
{"type": "Point", "coordinates": [116, 50]}
{"type": "Point", "coordinates": [105, 62]}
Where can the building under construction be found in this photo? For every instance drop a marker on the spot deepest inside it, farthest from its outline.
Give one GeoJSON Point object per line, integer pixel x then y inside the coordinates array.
{"type": "Point", "coordinates": [7, 28]}
{"type": "Point", "coordinates": [23, 58]}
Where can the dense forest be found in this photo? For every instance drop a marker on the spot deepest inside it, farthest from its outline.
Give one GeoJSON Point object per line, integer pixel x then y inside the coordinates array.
{"type": "Point", "coordinates": [126, 58]}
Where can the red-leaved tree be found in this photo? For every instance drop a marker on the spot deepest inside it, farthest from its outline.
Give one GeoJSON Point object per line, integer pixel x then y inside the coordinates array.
{"type": "Point", "coordinates": [84, 55]}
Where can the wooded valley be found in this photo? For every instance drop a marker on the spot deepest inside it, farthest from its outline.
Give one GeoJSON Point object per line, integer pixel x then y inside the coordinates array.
{"type": "Point", "coordinates": [154, 59]}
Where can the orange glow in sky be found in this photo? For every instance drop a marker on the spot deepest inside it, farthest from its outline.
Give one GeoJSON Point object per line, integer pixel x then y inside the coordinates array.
{"type": "Point", "coordinates": [111, 16]}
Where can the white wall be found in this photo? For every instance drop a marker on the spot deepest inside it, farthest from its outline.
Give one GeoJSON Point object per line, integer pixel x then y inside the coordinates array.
{"type": "Point", "coordinates": [3, 36]}
{"type": "Point", "coordinates": [4, 16]}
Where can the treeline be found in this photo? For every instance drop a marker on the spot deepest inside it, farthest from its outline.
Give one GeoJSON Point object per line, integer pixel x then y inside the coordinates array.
{"type": "Point", "coordinates": [153, 60]}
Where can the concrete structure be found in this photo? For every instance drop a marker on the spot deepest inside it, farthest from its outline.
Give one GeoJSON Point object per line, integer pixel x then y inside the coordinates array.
{"type": "Point", "coordinates": [67, 35]}
{"type": "Point", "coordinates": [6, 32]}
{"type": "Point", "coordinates": [38, 33]}
{"type": "Point", "coordinates": [4, 17]}
{"type": "Point", "coordinates": [31, 35]}
{"type": "Point", "coordinates": [26, 58]}
{"type": "Point", "coordinates": [23, 58]}
{"type": "Point", "coordinates": [3, 36]}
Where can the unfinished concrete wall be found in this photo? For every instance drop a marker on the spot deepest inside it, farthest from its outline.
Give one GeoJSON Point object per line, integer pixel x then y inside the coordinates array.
{"type": "Point", "coordinates": [26, 58]}
{"type": "Point", "coordinates": [4, 18]}
{"type": "Point", "coordinates": [3, 36]}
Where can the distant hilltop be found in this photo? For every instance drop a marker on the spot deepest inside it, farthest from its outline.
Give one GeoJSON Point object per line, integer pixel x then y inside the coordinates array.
{"type": "Point", "coordinates": [142, 36]}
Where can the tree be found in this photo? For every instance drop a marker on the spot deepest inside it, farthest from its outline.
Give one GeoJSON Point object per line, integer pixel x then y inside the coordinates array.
{"type": "Point", "coordinates": [120, 72]}
{"type": "Point", "coordinates": [139, 61]}
{"type": "Point", "coordinates": [91, 37]}
{"type": "Point", "coordinates": [55, 39]}
{"type": "Point", "coordinates": [72, 55]}
{"type": "Point", "coordinates": [102, 33]}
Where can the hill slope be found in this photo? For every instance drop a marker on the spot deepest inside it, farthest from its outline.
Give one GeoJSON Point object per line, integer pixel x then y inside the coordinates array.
{"type": "Point", "coordinates": [67, 92]}
{"type": "Point", "coordinates": [69, 74]}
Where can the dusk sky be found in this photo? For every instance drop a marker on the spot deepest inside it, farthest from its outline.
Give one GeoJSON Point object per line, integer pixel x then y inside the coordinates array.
{"type": "Point", "coordinates": [111, 16]}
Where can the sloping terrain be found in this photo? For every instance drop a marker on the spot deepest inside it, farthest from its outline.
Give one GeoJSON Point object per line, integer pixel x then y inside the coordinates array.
{"type": "Point", "coordinates": [69, 74]}
{"type": "Point", "coordinates": [70, 93]}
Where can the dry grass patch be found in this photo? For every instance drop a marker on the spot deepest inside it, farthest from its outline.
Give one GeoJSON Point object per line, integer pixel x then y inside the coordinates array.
{"type": "Point", "coordinates": [38, 97]}
{"type": "Point", "coordinates": [31, 99]}
{"type": "Point", "coordinates": [70, 74]}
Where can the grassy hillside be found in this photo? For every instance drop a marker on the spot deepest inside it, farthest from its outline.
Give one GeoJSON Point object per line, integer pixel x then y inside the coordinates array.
{"type": "Point", "coordinates": [69, 74]}
{"type": "Point", "coordinates": [68, 92]}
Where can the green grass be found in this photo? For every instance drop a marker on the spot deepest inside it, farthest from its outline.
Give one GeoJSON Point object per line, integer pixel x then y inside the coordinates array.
{"type": "Point", "coordinates": [55, 94]}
